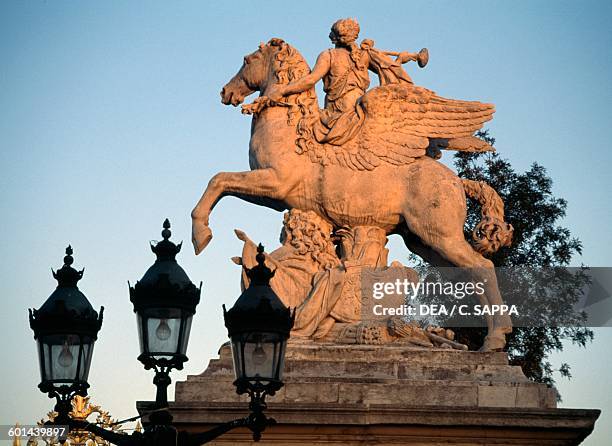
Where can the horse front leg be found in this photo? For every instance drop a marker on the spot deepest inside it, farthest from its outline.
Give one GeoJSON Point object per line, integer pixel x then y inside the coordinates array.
{"type": "Point", "coordinates": [263, 183]}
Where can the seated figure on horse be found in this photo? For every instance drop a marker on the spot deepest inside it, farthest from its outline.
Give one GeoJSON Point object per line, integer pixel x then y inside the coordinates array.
{"type": "Point", "coordinates": [344, 71]}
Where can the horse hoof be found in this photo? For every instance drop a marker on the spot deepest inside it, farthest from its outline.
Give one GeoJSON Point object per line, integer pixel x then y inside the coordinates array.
{"type": "Point", "coordinates": [493, 343]}
{"type": "Point", "coordinates": [201, 238]}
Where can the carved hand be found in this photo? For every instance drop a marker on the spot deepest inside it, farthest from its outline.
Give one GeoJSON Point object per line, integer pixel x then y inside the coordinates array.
{"type": "Point", "coordinates": [405, 56]}
{"type": "Point", "coordinates": [275, 92]}
{"type": "Point", "coordinates": [249, 250]}
{"type": "Point", "coordinates": [242, 236]}
{"type": "Point", "coordinates": [256, 107]}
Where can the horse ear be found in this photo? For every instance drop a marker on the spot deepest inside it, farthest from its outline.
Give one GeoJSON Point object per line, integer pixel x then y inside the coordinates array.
{"type": "Point", "coordinates": [261, 45]}
{"type": "Point", "coordinates": [275, 41]}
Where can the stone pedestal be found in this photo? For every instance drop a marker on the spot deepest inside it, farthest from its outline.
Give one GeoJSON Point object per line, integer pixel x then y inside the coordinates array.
{"type": "Point", "coordinates": [387, 395]}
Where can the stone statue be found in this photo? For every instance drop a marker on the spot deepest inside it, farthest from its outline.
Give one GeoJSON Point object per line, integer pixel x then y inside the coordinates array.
{"type": "Point", "coordinates": [344, 70]}
{"type": "Point", "coordinates": [323, 282]}
{"type": "Point", "coordinates": [363, 160]}
{"type": "Point", "coordinates": [308, 274]}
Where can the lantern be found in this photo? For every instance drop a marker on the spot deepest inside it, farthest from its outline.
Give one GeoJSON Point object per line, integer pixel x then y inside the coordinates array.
{"type": "Point", "coordinates": [164, 301]}
{"type": "Point", "coordinates": [65, 327]}
{"type": "Point", "coordinates": [259, 325]}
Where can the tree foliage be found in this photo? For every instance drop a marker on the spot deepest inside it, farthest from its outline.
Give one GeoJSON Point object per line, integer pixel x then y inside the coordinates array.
{"type": "Point", "coordinates": [539, 241]}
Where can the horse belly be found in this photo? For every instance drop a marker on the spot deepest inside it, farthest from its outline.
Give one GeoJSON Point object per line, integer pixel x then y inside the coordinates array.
{"type": "Point", "coordinates": [363, 198]}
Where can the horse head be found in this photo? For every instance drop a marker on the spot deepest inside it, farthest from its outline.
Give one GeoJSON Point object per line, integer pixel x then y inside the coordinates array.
{"type": "Point", "coordinates": [273, 62]}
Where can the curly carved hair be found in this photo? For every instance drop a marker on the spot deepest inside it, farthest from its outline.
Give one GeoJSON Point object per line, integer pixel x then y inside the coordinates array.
{"type": "Point", "coordinates": [310, 235]}
{"type": "Point", "coordinates": [346, 30]}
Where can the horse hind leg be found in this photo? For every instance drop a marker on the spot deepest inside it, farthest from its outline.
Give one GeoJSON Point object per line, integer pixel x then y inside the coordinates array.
{"type": "Point", "coordinates": [461, 254]}
{"type": "Point", "coordinates": [447, 250]}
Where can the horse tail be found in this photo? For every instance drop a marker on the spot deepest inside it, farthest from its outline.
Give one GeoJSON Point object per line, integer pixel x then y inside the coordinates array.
{"type": "Point", "coordinates": [492, 232]}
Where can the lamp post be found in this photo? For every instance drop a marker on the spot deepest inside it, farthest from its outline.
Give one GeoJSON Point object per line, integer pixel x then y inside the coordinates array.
{"type": "Point", "coordinates": [164, 300]}
{"type": "Point", "coordinates": [259, 325]}
{"type": "Point", "coordinates": [65, 327]}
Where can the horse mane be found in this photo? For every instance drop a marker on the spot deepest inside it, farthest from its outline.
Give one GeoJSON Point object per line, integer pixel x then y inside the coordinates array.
{"type": "Point", "coordinates": [288, 66]}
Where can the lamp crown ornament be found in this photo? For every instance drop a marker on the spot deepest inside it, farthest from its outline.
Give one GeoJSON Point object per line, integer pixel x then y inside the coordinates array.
{"type": "Point", "coordinates": [165, 281]}
{"type": "Point", "coordinates": [165, 249]}
{"type": "Point", "coordinates": [67, 305]}
{"type": "Point", "coordinates": [259, 299]}
{"type": "Point", "coordinates": [67, 276]}
{"type": "Point", "coordinates": [260, 274]}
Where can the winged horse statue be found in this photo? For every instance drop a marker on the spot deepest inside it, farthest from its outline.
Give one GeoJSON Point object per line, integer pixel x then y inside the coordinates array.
{"type": "Point", "coordinates": [383, 177]}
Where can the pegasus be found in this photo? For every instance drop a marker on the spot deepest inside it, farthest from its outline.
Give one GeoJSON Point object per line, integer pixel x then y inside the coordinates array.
{"type": "Point", "coordinates": [382, 178]}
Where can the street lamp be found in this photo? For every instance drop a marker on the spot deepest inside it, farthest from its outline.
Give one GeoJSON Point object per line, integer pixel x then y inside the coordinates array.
{"type": "Point", "coordinates": [66, 327]}
{"type": "Point", "coordinates": [258, 325]}
{"type": "Point", "coordinates": [164, 302]}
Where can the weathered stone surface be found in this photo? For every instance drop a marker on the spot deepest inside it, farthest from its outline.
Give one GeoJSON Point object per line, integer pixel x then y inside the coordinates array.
{"type": "Point", "coordinates": [387, 395]}
{"type": "Point", "coordinates": [360, 374]}
{"type": "Point", "coordinates": [529, 395]}
{"type": "Point", "coordinates": [500, 395]}
{"type": "Point", "coordinates": [352, 425]}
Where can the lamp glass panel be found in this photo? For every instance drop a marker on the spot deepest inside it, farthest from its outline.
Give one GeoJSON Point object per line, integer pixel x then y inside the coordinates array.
{"type": "Point", "coordinates": [261, 355]}
{"type": "Point", "coordinates": [280, 364]}
{"type": "Point", "coordinates": [86, 356]}
{"type": "Point", "coordinates": [60, 354]}
{"type": "Point", "coordinates": [141, 334]}
{"type": "Point", "coordinates": [186, 331]}
{"type": "Point", "coordinates": [41, 360]}
{"type": "Point", "coordinates": [163, 327]}
{"type": "Point", "coordinates": [237, 355]}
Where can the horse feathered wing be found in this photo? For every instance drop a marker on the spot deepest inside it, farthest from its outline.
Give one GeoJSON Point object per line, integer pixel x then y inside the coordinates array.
{"type": "Point", "coordinates": [420, 112]}
{"type": "Point", "coordinates": [403, 121]}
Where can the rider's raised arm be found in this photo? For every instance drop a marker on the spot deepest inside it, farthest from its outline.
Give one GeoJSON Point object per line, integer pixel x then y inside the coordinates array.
{"type": "Point", "coordinates": [405, 56]}
{"type": "Point", "coordinates": [320, 69]}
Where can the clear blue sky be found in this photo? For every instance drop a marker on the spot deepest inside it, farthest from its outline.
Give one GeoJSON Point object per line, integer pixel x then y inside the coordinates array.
{"type": "Point", "coordinates": [110, 121]}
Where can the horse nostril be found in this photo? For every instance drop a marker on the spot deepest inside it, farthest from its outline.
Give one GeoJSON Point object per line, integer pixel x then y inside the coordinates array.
{"type": "Point", "coordinates": [223, 92]}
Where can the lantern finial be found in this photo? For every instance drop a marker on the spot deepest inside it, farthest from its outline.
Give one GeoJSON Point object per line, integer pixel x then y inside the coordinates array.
{"type": "Point", "coordinates": [68, 259]}
{"type": "Point", "coordinates": [166, 231]}
{"type": "Point", "coordinates": [260, 274]}
{"type": "Point", "coordinates": [166, 250]}
{"type": "Point", "coordinates": [67, 276]}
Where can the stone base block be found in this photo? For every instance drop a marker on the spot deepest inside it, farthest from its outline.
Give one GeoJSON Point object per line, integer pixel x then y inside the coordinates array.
{"type": "Point", "coordinates": [386, 425]}
{"type": "Point", "coordinates": [387, 395]}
